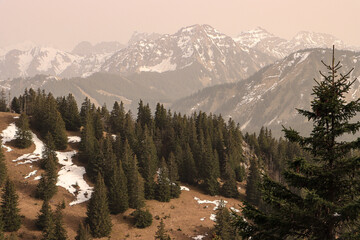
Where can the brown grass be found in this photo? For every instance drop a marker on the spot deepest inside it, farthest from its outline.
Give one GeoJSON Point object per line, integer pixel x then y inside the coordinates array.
{"type": "Point", "coordinates": [181, 216]}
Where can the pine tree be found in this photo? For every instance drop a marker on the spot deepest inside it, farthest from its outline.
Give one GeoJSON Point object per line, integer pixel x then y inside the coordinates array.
{"type": "Point", "coordinates": [98, 214]}
{"type": "Point", "coordinates": [45, 215]}
{"type": "Point", "coordinates": [2, 237]}
{"type": "Point", "coordinates": [189, 172]}
{"type": "Point", "coordinates": [3, 169]}
{"type": "Point", "coordinates": [175, 190]}
{"type": "Point", "coordinates": [223, 226]}
{"type": "Point", "coordinates": [163, 184]}
{"type": "Point", "coordinates": [48, 232]}
{"type": "Point", "coordinates": [15, 105]}
{"type": "Point", "coordinates": [60, 232]}
{"type": "Point", "coordinates": [83, 232]}
{"type": "Point", "coordinates": [161, 232]}
{"type": "Point", "coordinates": [3, 103]}
{"type": "Point", "coordinates": [118, 192]}
{"type": "Point", "coordinates": [148, 163]}
{"type": "Point", "coordinates": [229, 188]}
{"type": "Point", "coordinates": [135, 186]}
{"type": "Point", "coordinates": [210, 167]}
{"type": "Point", "coordinates": [46, 187]}
{"type": "Point", "coordinates": [326, 204]}
{"type": "Point", "coordinates": [48, 154]}
{"type": "Point", "coordinates": [253, 194]}
{"type": "Point", "coordinates": [23, 133]}
{"type": "Point", "coordinates": [10, 211]}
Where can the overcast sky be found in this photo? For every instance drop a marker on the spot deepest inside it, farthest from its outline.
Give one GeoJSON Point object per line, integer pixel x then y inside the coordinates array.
{"type": "Point", "coordinates": [64, 23]}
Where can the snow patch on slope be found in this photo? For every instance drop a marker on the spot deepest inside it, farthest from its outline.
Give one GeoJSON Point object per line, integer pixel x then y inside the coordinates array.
{"type": "Point", "coordinates": [164, 66]}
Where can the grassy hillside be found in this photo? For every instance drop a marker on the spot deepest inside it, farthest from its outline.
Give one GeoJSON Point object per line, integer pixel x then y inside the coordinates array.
{"type": "Point", "coordinates": [183, 217]}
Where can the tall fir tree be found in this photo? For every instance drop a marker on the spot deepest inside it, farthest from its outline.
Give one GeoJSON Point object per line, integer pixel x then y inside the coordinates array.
{"type": "Point", "coordinates": [118, 192]}
{"type": "Point", "coordinates": [135, 186]}
{"type": "Point", "coordinates": [326, 204]}
{"type": "Point", "coordinates": [148, 163]}
{"type": "Point", "coordinates": [48, 153]}
{"type": "Point", "coordinates": [10, 208]}
{"type": "Point", "coordinates": [253, 194]}
{"type": "Point", "coordinates": [60, 231]}
{"type": "Point", "coordinates": [3, 168]}
{"type": "Point", "coordinates": [44, 216]}
{"type": "Point", "coordinates": [229, 188]}
{"type": "Point", "coordinates": [2, 237]}
{"type": "Point", "coordinates": [163, 183]}
{"type": "Point", "coordinates": [46, 187]}
{"type": "Point", "coordinates": [175, 190]}
{"type": "Point", "coordinates": [98, 214]}
{"type": "Point", "coordinates": [83, 232]}
{"type": "Point", "coordinates": [23, 138]}
{"type": "Point", "coordinates": [224, 228]}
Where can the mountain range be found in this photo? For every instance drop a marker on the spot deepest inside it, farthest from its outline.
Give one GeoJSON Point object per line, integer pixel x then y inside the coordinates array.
{"type": "Point", "coordinates": [271, 96]}
{"type": "Point", "coordinates": [249, 77]}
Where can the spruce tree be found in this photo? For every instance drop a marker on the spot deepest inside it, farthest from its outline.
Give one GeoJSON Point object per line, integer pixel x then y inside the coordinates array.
{"type": "Point", "coordinates": [3, 169]}
{"type": "Point", "coordinates": [326, 204]}
{"type": "Point", "coordinates": [175, 190]}
{"type": "Point", "coordinates": [2, 237]}
{"type": "Point", "coordinates": [83, 232]}
{"type": "Point", "coordinates": [15, 105]}
{"type": "Point", "coordinates": [10, 210]}
{"type": "Point", "coordinates": [161, 232]}
{"type": "Point", "coordinates": [23, 138]}
{"type": "Point", "coordinates": [148, 163]}
{"type": "Point", "coordinates": [60, 232]}
{"type": "Point", "coordinates": [45, 215]}
{"type": "Point", "coordinates": [163, 183]}
{"type": "Point", "coordinates": [118, 192]}
{"type": "Point", "coordinates": [229, 188]}
{"type": "Point", "coordinates": [98, 214]}
{"type": "Point", "coordinates": [223, 226]}
{"type": "Point", "coordinates": [48, 153]}
{"type": "Point", "coordinates": [135, 186]}
{"type": "Point", "coordinates": [188, 167]}
{"type": "Point", "coordinates": [253, 194]}
{"type": "Point", "coordinates": [46, 187]}
{"type": "Point", "coordinates": [48, 231]}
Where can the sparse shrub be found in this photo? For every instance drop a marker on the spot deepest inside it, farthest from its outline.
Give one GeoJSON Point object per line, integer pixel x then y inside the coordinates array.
{"type": "Point", "coordinates": [142, 218]}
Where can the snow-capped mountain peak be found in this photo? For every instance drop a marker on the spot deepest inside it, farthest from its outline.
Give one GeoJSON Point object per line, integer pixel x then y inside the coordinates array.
{"type": "Point", "coordinates": [252, 37]}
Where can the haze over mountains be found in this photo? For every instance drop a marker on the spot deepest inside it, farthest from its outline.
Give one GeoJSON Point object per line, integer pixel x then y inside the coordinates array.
{"type": "Point", "coordinates": [264, 76]}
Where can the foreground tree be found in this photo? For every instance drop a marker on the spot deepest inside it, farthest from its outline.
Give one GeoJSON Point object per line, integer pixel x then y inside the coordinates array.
{"type": "Point", "coordinates": [328, 205]}
{"type": "Point", "coordinates": [10, 211]}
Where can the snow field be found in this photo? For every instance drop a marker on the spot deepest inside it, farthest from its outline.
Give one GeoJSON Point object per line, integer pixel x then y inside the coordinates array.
{"type": "Point", "coordinates": [70, 176]}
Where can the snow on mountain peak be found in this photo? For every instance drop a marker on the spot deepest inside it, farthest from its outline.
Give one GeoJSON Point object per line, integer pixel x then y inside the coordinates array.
{"type": "Point", "coordinates": [252, 37]}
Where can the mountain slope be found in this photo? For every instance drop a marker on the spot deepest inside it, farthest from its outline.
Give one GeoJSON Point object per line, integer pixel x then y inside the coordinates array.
{"type": "Point", "coordinates": [270, 97]}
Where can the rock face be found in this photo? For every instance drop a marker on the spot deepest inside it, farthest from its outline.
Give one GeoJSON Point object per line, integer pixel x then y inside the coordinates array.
{"type": "Point", "coordinates": [270, 97]}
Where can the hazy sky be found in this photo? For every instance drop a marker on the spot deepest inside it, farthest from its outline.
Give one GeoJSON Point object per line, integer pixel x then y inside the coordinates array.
{"type": "Point", "coordinates": [64, 23]}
